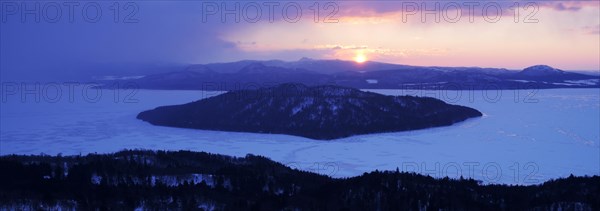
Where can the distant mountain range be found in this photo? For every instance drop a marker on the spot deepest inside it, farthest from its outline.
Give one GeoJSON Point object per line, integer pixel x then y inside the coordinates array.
{"type": "Point", "coordinates": [321, 112]}
{"type": "Point", "coordinates": [369, 75]}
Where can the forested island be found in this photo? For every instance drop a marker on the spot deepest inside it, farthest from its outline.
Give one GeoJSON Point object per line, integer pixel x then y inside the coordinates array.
{"type": "Point", "coordinates": [317, 112]}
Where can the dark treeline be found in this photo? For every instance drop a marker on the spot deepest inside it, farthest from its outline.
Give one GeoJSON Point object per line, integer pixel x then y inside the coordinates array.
{"type": "Point", "coordinates": [197, 180]}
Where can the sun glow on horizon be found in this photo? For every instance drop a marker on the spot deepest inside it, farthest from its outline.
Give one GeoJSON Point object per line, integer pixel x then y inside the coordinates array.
{"type": "Point", "coordinates": [360, 57]}
{"type": "Point", "coordinates": [382, 36]}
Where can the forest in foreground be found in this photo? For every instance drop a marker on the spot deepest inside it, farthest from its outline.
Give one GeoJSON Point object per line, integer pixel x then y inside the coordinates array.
{"type": "Point", "coordinates": [185, 180]}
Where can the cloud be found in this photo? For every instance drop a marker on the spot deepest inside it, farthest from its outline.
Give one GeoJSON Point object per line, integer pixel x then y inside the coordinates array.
{"type": "Point", "coordinates": [593, 30]}
{"type": "Point", "coordinates": [165, 33]}
{"type": "Point", "coordinates": [378, 53]}
{"type": "Point", "coordinates": [372, 9]}
{"type": "Point", "coordinates": [562, 7]}
{"type": "Point", "coordinates": [340, 47]}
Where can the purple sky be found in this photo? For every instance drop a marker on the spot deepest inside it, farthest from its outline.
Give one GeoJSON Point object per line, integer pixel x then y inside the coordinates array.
{"type": "Point", "coordinates": [563, 34]}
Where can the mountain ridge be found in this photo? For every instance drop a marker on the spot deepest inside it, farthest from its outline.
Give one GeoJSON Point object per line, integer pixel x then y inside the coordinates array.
{"type": "Point", "coordinates": [369, 75]}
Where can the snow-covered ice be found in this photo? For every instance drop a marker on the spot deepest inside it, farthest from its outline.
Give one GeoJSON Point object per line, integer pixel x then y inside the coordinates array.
{"type": "Point", "coordinates": [583, 82]}
{"type": "Point", "coordinates": [524, 137]}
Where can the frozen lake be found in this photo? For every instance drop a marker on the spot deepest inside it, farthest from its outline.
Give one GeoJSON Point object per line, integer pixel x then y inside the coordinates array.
{"type": "Point", "coordinates": [524, 137]}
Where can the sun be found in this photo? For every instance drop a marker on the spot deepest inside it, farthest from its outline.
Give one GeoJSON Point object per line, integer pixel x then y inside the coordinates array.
{"type": "Point", "coordinates": [360, 58]}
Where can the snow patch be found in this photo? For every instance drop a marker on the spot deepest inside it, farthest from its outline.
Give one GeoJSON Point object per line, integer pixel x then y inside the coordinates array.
{"type": "Point", "coordinates": [304, 104]}
{"type": "Point", "coordinates": [372, 81]}
{"type": "Point", "coordinates": [177, 180]}
{"type": "Point", "coordinates": [584, 82]}
{"type": "Point", "coordinates": [96, 179]}
{"type": "Point", "coordinates": [523, 81]}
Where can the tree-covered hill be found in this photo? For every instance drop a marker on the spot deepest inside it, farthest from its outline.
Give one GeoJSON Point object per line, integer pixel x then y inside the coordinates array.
{"type": "Point", "coordinates": [197, 180]}
{"type": "Point", "coordinates": [318, 112]}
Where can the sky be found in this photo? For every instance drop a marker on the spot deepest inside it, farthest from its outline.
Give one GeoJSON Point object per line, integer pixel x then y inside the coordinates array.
{"type": "Point", "coordinates": [61, 39]}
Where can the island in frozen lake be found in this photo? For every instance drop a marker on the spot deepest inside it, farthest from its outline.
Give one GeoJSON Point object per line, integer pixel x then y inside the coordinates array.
{"type": "Point", "coordinates": [319, 112]}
